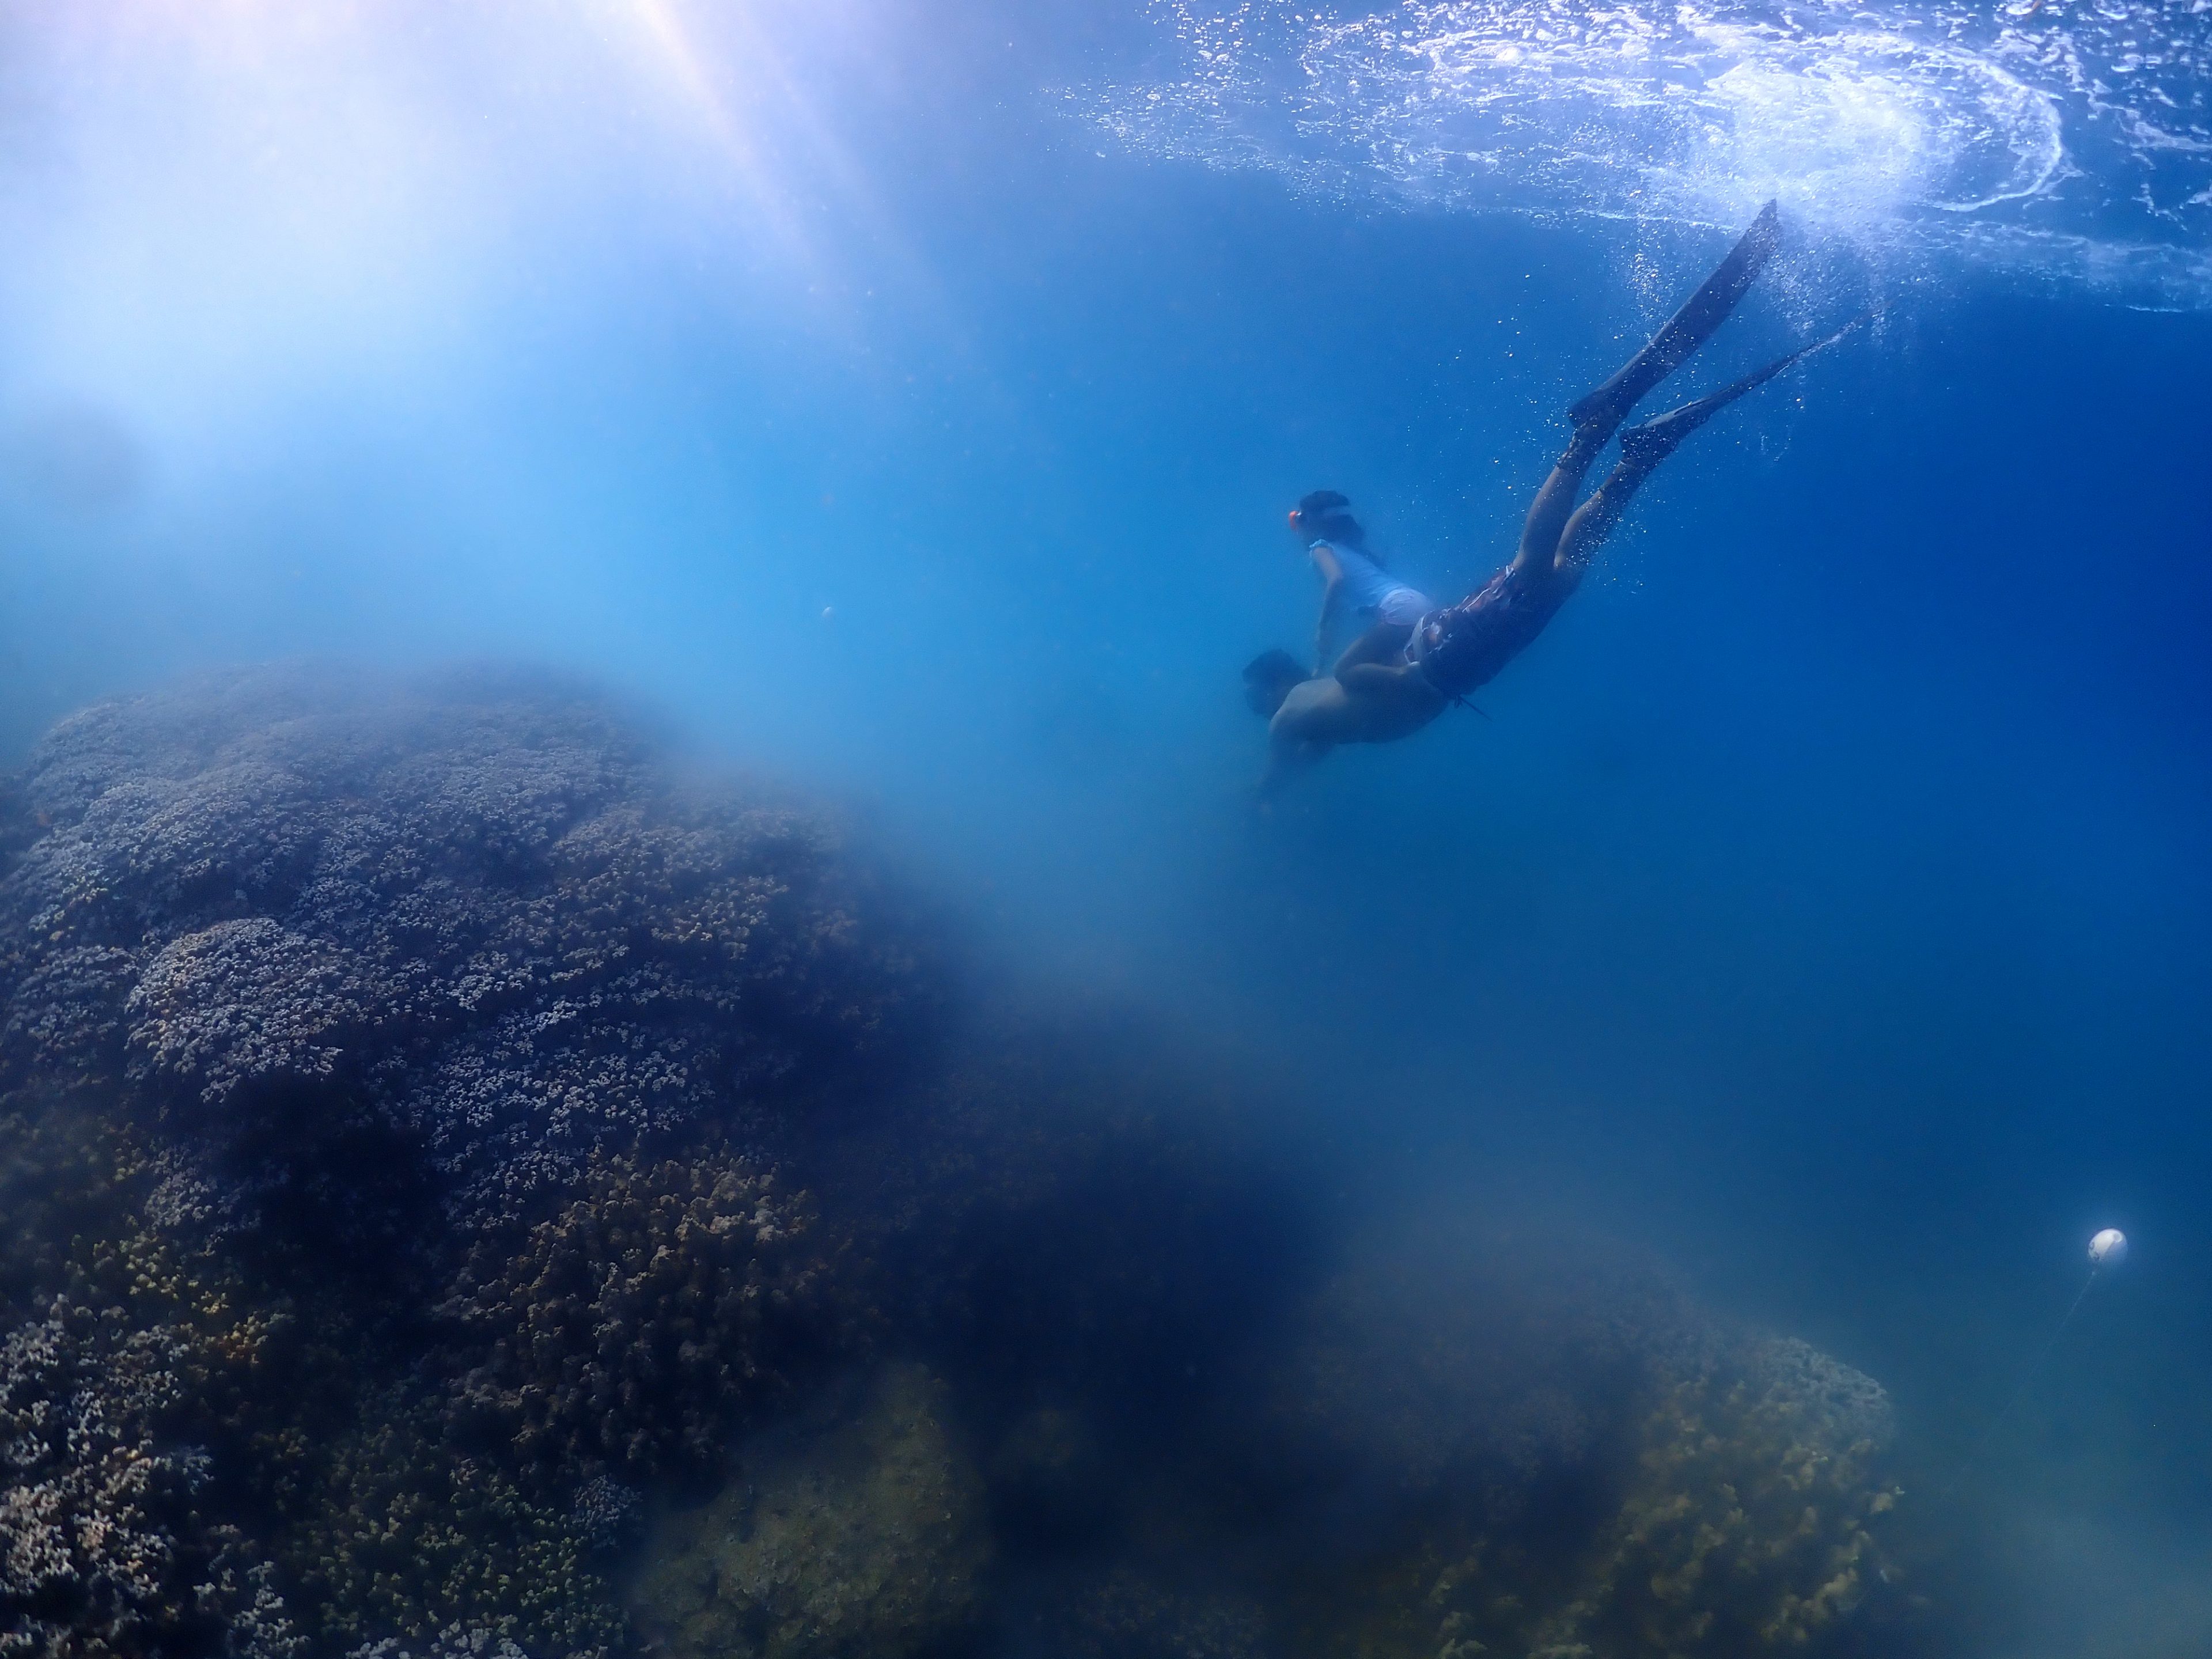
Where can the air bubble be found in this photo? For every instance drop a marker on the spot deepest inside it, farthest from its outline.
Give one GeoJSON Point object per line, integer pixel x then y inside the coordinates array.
{"type": "Point", "coordinates": [1996, 135]}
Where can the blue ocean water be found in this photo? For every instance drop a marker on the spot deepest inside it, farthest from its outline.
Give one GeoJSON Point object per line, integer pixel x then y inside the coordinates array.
{"type": "Point", "coordinates": [909, 403]}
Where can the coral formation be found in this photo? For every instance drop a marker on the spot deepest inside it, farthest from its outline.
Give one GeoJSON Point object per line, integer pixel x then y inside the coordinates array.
{"type": "Point", "coordinates": [375, 994]}
{"type": "Point", "coordinates": [103, 1547]}
{"type": "Point", "coordinates": [1555, 1451]}
{"type": "Point", "coordinates": [444, 1215]}
{"type": "Point", "coordinates": [629, 1330]}
{"type": "Point", "coordinates": [858, 1540]}
{"type": "Point", "coordinates": [399, 1533]}
{"type": "Point", "coordinates": [127, 1358]}
{"type": "Point", "coordinates": [456, 1642]}
{"type": "Point", "coordinates": [1130, 1615]}
{"type": "Point", "coordinates": [477, 912]}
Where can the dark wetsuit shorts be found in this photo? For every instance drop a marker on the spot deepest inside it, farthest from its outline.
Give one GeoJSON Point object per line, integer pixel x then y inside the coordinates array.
{"type": "Point", "coordinates": [1464, 645]}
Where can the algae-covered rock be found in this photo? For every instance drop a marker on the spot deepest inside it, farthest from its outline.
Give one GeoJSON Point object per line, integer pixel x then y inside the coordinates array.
{"type": "Point", "coordinates": [1126, 1612]}
{"type": "Point", "coordinates": [1746, 1529]}
{"type": "Point", "coordinates": [1557, 1452]}
{"type": "Point", "coordinates": [862, 1537]}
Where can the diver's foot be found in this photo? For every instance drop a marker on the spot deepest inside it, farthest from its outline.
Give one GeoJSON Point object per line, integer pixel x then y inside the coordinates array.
{"type": "Point", "coordinates": [1687, 329]}
{"type": "Point", "coordinates": [1647, 443]}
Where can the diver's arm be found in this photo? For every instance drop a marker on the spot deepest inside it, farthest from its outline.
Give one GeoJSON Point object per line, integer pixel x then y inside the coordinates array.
{"type": "Point", "coordinates": [1332, 577]}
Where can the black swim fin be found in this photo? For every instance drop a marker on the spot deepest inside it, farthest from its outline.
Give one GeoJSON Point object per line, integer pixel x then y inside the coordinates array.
{"type": "Point", "coordinates": [1687, 329]}
{"type": "Point", "coordinates": [1647, 443]}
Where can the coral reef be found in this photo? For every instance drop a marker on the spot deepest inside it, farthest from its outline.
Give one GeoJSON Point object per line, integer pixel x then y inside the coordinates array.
{"type": "Point", "coordinates": [128, 1357]}
{"type": "Point", "coordinates": [457, 1641]}
{"type": "Point", "coordinates": [630, 1328]}
{"type": "Point", "coordinates": [465, 1194]}
{"type": "Point", "coordinates": [193, 1461]}
{"type": "Point", "coordinates": [1745, 1523]}
{"type": "Point", "coordinates": [398, 1534]}
{"type": "Point", "coordinates": [1127, 1614]}
{"type": "Point", "coordinates": [1507, 1441]}
{"type": "Point", "coordinates": [345, 1295]}
{"type": "Point", "coordinates": [107, 1395]}
{"type": "Point", "coordinates": [854, 1538]}
{"type": "Point", "coordinates": [103, 1546]}
{"type": "Point", "coordinates": [477, 912]}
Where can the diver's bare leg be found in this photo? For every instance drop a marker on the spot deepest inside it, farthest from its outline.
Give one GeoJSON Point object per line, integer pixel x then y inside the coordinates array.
{"type": "Point", "coordinates": [1647, 443]}
{"type": "Point", "coordinates": [1597, 518]}
{"type": "Point", "coordinates": [1597, 417]}
{"type": "Point", "coordinates": [1555, 501]}
{"type": "Point", "coordinates": [1381, 643]}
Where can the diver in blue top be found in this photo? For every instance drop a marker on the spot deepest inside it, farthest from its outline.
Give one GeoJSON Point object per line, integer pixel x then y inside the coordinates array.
{"type": "Point", "coordinates": [1356, 588]}
{"type": "Point", "coordinates": [1406, 670]}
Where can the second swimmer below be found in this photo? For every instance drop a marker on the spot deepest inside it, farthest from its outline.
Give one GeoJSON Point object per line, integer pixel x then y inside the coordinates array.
{"type": "Point", "coordinates": [1413, 661]}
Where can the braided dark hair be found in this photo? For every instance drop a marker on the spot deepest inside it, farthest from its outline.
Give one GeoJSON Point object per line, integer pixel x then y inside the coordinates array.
{"type": "Point", "coordinates": [1327, 514]}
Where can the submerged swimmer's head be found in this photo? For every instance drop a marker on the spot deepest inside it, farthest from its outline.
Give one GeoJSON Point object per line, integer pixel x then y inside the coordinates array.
{"type": "Point", "coordinates": [1323, 516]}
{"type": "Point", "coordinates": [1269, 678]}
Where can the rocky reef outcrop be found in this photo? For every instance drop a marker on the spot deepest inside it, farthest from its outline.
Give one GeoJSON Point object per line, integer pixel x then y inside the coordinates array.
{"type": "Point", "coordinates": [471, 1190]}
{"type": "Point", "coordinates": [1749, 1524]}
{"type": "Point", "coordinates": [854, 1533]}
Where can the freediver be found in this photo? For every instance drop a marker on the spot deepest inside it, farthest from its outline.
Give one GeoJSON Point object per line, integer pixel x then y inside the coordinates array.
{"type": "Point", "coordinates": [1406, 670]}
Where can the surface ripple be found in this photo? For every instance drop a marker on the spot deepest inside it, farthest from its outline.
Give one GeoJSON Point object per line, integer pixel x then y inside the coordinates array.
{"type": "Point", "coordinates": [2063, 140]}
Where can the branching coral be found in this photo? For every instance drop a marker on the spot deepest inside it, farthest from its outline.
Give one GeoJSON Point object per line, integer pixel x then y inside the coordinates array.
{"type": "Point", "coordinates": [249, 1001]}
{"type": "Point", "coordinates": [455, 1642]}
{"type": "Point", "coordinates": [478, 912]}
{"type": "Point", "coordinates": [131, 1356]}
{"type": "Point", "coordinates": [103, 1546]}
{"type": "Point", "coordinates": [628, 1331]}
{"type": "Point", "coordinates": [302, 952]}
{"type": "Point", "coordinates": [396, 1535]}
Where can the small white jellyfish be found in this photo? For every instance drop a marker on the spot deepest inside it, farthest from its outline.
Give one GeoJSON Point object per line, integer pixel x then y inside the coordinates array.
{"type": "Point", "coordinates": [2108, 1248]}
